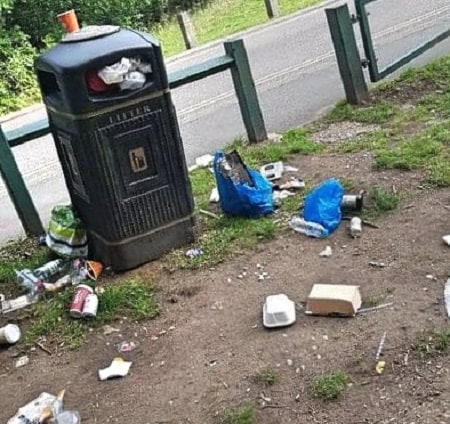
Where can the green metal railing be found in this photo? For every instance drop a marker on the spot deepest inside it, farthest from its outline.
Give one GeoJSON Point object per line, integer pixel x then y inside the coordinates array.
{"type": "Point", "coordinates": [349, 60]}
{"type": "Point", "coordinates": [371, 59]}
{"type": "Point", "coordinates": [235, 60]}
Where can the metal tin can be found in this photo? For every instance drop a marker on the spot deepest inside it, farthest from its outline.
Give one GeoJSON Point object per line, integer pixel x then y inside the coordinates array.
{"type": "Point", "coordinates": [352, 202]}
{"type": "Point", "coordinates": [90, 306]}
{"type": "Point", "coordinates": [79, 297]}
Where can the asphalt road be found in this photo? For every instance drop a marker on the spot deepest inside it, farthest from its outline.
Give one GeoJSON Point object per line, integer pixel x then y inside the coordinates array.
{"type": "Point", "coordinates": [297, 79]}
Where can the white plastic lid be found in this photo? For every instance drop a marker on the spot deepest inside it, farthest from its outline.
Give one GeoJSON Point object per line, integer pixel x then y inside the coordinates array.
{"type": "Point", "coordinates": [12, 333]}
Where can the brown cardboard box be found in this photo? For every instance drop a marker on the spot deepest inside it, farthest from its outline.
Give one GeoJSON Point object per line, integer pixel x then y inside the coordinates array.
{"type": "Point", "coordinates": [333, 299]}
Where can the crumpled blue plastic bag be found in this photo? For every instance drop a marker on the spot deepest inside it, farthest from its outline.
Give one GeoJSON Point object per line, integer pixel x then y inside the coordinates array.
{"type": "Point", "coordinates": [323, 204]}
{"type": "Point", "coordinates": [240, 199]}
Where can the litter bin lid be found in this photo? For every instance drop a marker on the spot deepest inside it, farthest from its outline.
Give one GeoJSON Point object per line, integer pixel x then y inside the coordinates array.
{"type": "Point", "coordinates": [90, 32]}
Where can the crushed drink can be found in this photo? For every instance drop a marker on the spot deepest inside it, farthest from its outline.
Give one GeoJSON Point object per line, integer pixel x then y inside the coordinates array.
{"type": "Point", "coordinates": [90, 306]}
{"type": "Point", "coordinates": [79, 297]}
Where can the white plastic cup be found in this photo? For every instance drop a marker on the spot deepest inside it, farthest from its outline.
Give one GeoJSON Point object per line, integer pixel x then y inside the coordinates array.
{"type": "Point", "coordinates": [10, 334]}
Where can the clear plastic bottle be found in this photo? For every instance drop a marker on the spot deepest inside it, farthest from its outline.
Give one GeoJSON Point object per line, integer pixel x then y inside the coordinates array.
{"type": "Point", "coordinates": [308, 228]}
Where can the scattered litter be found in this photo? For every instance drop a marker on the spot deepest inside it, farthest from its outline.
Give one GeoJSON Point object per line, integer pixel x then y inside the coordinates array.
{"type": "Point", "coordinates": [204, 161]}
{"type": "Point", "coordinates": [377, 264]}
{"type": "Point", "coordinates": [210, 214]}
{"type": "Point", "coordinates": [275, 137]}
{"type": "Point", "coordinates": [66, 234]}
{"type": "Point", "coordinates": [333, 300]}
{"type": "Point", "coordinates": [278, 196]}
{"type": "Point", "coordinates": [126, 346]}
{"type": "Point", "coordinates": [375, 308]}
{"type": "Point", "coordinates": [325, 337]}
{"type": "Point", "coordinates": [379, 367]}
{"type": "Point", "coordinates": [308, 228]}
{"type": "Point", "coordinates": [90, 306]}
{"type": "Point", "coordinates": [107, 330]}
{"type": "Point", "coordinates": [431, 277]}
{"type": "Point", "coordinates": [214, 196]}
{"type": "Point", "coordinates": [10, 334]}
{"type": "Point", "coordinates": [278, 311]}
{"type": "Point", "coordinates": [242, 191]}
{"type": "Point", "coordinates": [293, 184]}
{"type": "Point", "coordinates": [355, 227]}
{"type": "Point", "coordinates": [352, 202]}
{"type": "Point", "coordinates": [327, 252]}
{"type": "Point", "coordinates": [289, 362]}
{"type": "Point", "coordinates": [322, 205]}
{"type": "Point", "coordinates": [20, 302]}
{"type": "Point", "coordinates": [217, 306]}
{"type": "Point", "coordinates": [42, 240]}
{"type": "Point", "coordinates": [272, 171]}
{"type": "Point", "coordinates": [79, 297]}
{"type": "Point", "coordinates": [194, 253]}
{"type": "Point", "coordinates": [446, 240]}
{"type": "Point", "coordinates": [213, 363]}
{"type": "Point", "coordinates": [22, 361]}
{"type": "Point", "coordinates": [31, 412]}
{"type": "Point", "coordinates": [289, 168]}
{"type": "Point", "coordinates": [447, 297]}
{"type": "Point", "coordinates": [118, 368]}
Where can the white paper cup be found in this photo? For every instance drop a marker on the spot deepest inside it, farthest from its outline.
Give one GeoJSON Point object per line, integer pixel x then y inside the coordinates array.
{"type": "Point", "coordinates": [10, 334]}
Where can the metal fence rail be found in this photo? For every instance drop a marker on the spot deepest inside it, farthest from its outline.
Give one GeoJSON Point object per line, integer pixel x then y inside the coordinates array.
{"type": "Point", "coordinates": [369, 50]}
{"type": "Point", "coordinates": [235, 60]}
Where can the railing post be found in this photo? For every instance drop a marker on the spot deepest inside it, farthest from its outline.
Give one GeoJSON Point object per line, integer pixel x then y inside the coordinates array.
{"type": "Point", "coordinates": [246, 92]}
{"type": "Point", "coordinates": [272, 8]}
{"type": "Point", "coordinates": [187, 30]}
{"type": "Point", "coordinates": [347, 54]}
{"type": "Point", "coordinates": [17, 190]}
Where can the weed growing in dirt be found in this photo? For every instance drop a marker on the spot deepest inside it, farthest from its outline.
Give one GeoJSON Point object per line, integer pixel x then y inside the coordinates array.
{"type": "Point", "coordinates": [268, 376]}
{"type": "Point", "coordinates": [378, 113]}
{"type": "Point", "coordinates": [246, 414]}
{"type": "Point", "coordinates": [434, 342]}
{"type": "Point", "coordinates": [380, 200]}
{"type": "Point", "coordinates": [330, 386]}
{"type": "Point", "coordinates": [371, 300]}
{"type": "Point", "coordinates": [131, 298]}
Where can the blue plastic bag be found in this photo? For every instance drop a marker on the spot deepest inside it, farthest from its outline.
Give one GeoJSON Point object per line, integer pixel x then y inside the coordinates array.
{"type": "Point", "coordinates": [251, 199]}
{"type": "Point", "coordinates": [323, 205]}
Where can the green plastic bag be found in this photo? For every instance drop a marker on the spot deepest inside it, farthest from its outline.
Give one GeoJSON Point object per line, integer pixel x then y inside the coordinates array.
{"type": "Point", "coordinates": [66, 234]}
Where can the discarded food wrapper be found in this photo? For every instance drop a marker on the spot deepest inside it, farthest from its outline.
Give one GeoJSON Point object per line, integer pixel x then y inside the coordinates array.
{"type": "Point", "coordinates": [20, 302]}
{"type": "Point", "coordinates": [333, 300]}
{"type": "Point", "coordinates": [214, 196]}
{"type": "Point", "coordinates": [66, 234]}
{"type": "Point", "coordinates": [115, 73]}
{"type": "Point", "coordinates": [447, 297]}
{"type": "Point", "coordinates": [118, 368]}
{"type": "Point", "coordinates": [325, 253]}
{"type": "Point", "coordinates": [293, 184]}
{"type": "Point", "coordinates": [126, 346]}
{"type": "Point", "coordinates": [272, 171]}
{"type": "Point", "coordinates": [193, 253]}
{"type": "Point", "coordinates": [22, 361]}
{"type": "Point", "coordinates": [10, 334]}
{"type": "Point", "coordinates": [278, 311]}
{"type": "Point", "coordinates": [446, 240]}
{"type": "Point", "coordinates": [204, 161]}
{"type": "Point", "coordinates": [32, 412]}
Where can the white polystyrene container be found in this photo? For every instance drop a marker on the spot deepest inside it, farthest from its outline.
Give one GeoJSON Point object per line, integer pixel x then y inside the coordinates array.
{"type": "Point", "coordinates": [278, 311]}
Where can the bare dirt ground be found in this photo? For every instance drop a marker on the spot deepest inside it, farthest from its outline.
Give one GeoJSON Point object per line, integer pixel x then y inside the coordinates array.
{"type": "Point", "coordinates": [214, 342]}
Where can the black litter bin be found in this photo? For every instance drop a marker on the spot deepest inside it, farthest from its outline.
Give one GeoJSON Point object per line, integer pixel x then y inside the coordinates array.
{"type": "Point", "coordinates": [120, 150]}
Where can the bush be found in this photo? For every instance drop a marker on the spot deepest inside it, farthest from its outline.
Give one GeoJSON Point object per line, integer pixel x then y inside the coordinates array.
{"type": "Point", "coordinates": [18, 83]}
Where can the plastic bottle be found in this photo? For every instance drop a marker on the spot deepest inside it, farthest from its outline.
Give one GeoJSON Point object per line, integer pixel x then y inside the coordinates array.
{"type": "Point", "coordinates": [308, 228]}
{"type": "Point", "coordinates": [50, 268]}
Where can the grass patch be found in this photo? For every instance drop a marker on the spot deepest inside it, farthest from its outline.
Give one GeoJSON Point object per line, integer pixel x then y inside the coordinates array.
{"type": "Point", "coordinates": [329, 386]}
{"type": "Point", "coordinates": [380, 200]}
{"type": "Point", "coordinates": [268, 376]}
{"type": "Point", "coordinates": [19, 255]}
{"type": "Point", "coordinates": [134, 299]}
{"type": "Point", "coordinates": [245, 414]}
{"type": "Point", "coordinates": [222, 18]}
{"type": "Point", "coordinates": [378, 113]}
{"type": "Point", "coordinates": [434, 342]}
{"type": "Point", "coordinates": [372, 141]}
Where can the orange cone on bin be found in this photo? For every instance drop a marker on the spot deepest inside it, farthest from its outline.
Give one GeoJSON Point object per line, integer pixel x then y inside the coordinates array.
{"type": "Point", "coordinates": [69, 21]}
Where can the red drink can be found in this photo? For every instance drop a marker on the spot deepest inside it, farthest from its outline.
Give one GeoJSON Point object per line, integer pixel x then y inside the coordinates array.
{"type": "Point", "coordinates": [76, 306]}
